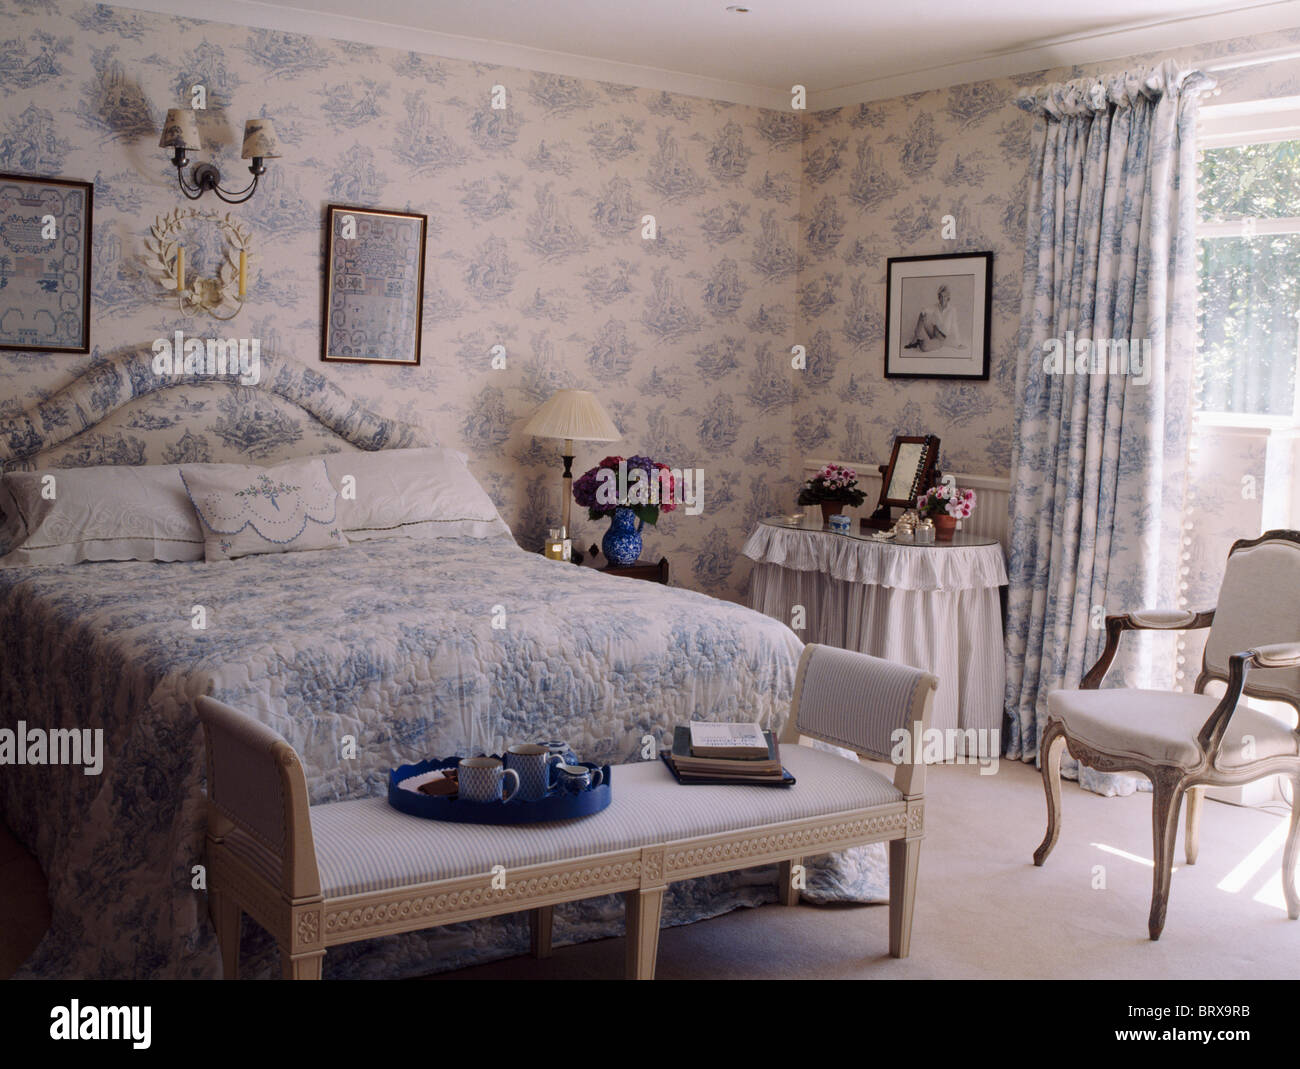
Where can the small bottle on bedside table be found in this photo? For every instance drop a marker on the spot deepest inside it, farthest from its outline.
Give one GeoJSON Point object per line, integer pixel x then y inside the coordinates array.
{"type": "Point", "coordinates": [558, 546]}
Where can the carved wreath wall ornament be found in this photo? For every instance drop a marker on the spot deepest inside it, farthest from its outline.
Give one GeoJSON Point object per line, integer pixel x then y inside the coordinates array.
{"type": "Point", "coordinates": [165, 262]}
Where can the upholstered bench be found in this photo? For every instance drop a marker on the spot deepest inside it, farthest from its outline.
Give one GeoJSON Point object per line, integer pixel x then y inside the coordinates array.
{"type": "Point", "coordinates": [325, 875]}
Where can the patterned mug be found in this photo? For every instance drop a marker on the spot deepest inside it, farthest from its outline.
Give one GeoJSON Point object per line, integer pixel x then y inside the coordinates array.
{"type": "Point", "coordinates": [482, 779]}
{"type": "Point", "coordinates": [578, 778]}
{"type": "Point", "coordinates": [532, 763]}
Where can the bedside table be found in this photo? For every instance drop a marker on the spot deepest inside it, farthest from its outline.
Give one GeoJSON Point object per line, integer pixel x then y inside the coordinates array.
{"type": "Point", "coordinates": [654, 573]}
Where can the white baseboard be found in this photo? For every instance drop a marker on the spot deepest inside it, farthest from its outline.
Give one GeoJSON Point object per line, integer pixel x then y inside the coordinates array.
{"type": "Point", "coordinates": [1260, 792]}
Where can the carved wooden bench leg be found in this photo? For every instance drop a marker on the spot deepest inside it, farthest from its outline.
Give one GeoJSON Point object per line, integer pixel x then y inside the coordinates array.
{"type": "Point", "coordinates": [644, 911]}
{"type": "Point", "coordinates": [539, 925]}
{"type": "Point", "coordinates": [302, 967]}
{"type": "Point", "coordinates": [787, 893]}
{"type": "Point", "coordinates": [225, 913]}
{"type": "Point", "coordinates": [904, 857]}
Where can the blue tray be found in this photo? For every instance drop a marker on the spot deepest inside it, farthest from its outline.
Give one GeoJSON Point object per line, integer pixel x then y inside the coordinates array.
{"type": "Point", "coordinates": [558, 805]}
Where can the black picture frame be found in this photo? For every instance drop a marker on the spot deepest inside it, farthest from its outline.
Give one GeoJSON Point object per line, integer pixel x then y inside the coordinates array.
{"type": "Point", "coordinates": [905, 356]}
{"type": "Point", "coordinates": [346, 271]}
{"type": "Point", "coordinates": [81, 230]}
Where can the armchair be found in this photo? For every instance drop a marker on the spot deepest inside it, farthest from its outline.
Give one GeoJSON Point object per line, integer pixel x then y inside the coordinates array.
{"type": "Point", "coordinates": [1185, 742]}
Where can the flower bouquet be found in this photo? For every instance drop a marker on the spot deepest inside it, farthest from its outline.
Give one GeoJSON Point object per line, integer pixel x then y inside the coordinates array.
{"type": "Point", "coordinates": [947, 503]}
{"type": "Point", "coordinates": [626, 489]}
{"type": "Point", "coordinates": [832, 488]}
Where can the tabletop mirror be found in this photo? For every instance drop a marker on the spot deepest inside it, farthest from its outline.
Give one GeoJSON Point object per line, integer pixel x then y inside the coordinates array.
{"type": "Point", "coordinates": [910, 471]}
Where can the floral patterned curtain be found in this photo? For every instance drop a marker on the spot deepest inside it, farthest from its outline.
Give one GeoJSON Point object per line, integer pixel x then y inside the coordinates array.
{"type": "Point", "coordinates": [1103, 388]}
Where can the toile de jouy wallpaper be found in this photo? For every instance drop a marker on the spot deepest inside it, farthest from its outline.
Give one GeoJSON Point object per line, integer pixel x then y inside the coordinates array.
{"type": "Point", "coordinates": [773, 228]}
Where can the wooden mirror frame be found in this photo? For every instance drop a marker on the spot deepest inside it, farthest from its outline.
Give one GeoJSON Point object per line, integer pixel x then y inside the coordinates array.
{"type": "Point", "coordinates": [921, 480]}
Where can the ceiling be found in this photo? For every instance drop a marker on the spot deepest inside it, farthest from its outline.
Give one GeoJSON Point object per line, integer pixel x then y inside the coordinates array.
{"type": "Point", "coordinates": [842, 49]}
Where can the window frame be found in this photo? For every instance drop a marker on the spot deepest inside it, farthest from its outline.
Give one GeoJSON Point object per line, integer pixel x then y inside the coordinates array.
{"type": "Point", "coordinates": [1253, 122]}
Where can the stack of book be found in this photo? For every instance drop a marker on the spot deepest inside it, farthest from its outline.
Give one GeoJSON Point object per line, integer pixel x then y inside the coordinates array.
{"type": "Point", "coordinates": [726, 753]}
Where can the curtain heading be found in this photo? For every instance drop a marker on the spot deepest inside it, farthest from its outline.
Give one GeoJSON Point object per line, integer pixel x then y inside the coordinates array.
{"type": "Point", "coordinates": [1121, 89]}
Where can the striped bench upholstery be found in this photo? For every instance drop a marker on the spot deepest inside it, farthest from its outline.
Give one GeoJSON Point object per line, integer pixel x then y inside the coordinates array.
{"type": "Point", "coordinates": [330, 874]}
{"type": "Point", "coordinates": [838, 703]}
{"type": "Point", "coordinates": [368, 845]}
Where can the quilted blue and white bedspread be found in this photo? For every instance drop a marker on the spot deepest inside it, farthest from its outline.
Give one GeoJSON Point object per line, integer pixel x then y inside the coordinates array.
{"type": "Point", "coordinates": [363, 658]}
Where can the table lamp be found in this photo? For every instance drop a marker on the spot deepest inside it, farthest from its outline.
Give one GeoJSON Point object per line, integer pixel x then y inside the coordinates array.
{"type": "Point", "coordinates": [575, 416]}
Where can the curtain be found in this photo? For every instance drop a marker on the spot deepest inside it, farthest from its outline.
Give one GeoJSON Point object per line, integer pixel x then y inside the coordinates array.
{"type": "Point", "coordinates": [1100, 445]}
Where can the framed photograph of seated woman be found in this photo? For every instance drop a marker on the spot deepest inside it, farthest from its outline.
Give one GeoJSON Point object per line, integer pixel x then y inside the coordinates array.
{"type": "Point", "coordinates": [937, 316]}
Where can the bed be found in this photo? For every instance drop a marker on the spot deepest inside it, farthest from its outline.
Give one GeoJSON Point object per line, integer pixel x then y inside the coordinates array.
{"type": "Point", "coordinates": [365, 657]}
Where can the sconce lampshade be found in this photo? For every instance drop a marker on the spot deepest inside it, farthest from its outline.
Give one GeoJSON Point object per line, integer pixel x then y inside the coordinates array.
{"type": "Point", "coordinates": [260, 140]}
{"type": "Point", "coordinates": [180, 130]}
{"type": "Point", "coordinates": [573, 414]}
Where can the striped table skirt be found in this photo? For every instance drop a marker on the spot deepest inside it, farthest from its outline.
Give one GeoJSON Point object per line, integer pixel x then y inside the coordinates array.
{"type": "Point", "coordinates": [954, 633]}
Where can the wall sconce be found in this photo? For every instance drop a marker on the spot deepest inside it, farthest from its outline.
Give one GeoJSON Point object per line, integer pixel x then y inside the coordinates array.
{"type": "Point", "coordinates": [181, 134]}
{"type": "Point", "coordinates": [221, 297]}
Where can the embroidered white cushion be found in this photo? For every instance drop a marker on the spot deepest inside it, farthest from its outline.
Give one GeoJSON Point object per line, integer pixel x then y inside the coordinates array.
{"type": "Point", "coordinates": [411, 493]}
{"type": "Point", "coordinates": [245, 509]}
{"type": "Point", "coordinates": [114, 512]}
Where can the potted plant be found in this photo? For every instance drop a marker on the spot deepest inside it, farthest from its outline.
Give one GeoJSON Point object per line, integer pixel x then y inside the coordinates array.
{"type": "Point", "coordinates": [832, 488]}
{"type": "Point", "coordinates": [946, 503]}
{"type": "Point", "coordinates": [632, 491]}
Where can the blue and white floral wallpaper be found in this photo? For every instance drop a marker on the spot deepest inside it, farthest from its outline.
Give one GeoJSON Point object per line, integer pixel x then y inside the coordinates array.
{"type": "Point", "coordinates": [877, 181]}
{"type": "Point", "coordinates": [535, 243]}
{"type": "Point", "coordinates": [773, 229]}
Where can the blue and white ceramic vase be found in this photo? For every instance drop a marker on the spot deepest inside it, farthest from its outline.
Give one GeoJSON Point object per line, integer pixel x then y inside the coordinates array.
{"type": "Point", "coordinates": [622, 542]}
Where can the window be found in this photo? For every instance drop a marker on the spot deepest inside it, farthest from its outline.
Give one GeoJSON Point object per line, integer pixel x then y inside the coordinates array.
{"type": "Point", "coordinates": [1249, 254]}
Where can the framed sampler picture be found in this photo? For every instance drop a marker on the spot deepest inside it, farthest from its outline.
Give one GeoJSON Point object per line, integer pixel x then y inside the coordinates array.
{"type": "Point", "coordinates": [374, 285]}
{"type": "Point", "coordinates": [45, 237]}
{"type": "Point", "coordinates": [937, 316]}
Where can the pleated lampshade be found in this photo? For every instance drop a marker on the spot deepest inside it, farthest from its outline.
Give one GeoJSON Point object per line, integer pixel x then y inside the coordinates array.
{"type": "Point", "coordinates": [573, 414]}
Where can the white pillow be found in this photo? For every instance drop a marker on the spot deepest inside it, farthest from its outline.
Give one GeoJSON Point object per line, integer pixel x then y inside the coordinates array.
{"type": "Point", "coordinates": [115, 512]}
{"type": "Point", "coordinates": [244, 509]}
{"type": "Point", "coordinates": [411, 493]}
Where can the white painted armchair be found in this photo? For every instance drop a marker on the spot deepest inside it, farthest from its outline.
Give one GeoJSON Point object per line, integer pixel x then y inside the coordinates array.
{"type": "Point", "coordinates": [1185, 742]}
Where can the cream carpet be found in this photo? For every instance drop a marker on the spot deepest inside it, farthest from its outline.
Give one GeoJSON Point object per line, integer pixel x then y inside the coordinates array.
{"type": "Point", "coordinates": [983, 911]}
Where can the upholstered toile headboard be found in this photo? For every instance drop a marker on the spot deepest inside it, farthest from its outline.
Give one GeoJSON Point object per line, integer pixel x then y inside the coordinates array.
{"type": "Point", "coordinates": [120, 411]}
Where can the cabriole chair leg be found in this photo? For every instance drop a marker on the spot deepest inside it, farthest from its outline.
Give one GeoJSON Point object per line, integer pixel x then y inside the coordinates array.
{"type": "Point", "coordinates": [1167, 796]}
{"type": "Point", "coordinates": [1053, 744]}
{"type": "Point", "coordinates": [1289, 854]}
{"type": "Point", "coordinates": [1192, 832]}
